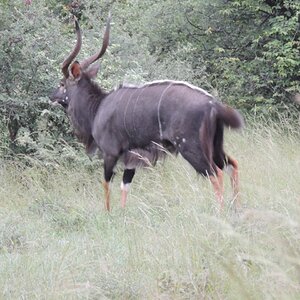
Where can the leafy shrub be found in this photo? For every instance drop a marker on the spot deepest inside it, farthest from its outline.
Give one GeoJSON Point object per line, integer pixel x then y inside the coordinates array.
{"type": "Point", "coordinates": [244, 51]}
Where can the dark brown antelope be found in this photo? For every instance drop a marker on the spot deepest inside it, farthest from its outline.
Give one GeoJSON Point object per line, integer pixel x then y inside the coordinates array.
{"type": "Point", "coordinates": [139, 124]}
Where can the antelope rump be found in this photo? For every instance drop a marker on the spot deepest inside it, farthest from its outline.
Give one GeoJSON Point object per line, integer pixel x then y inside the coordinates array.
{"type": "Point", "coordinates": [139, 124]}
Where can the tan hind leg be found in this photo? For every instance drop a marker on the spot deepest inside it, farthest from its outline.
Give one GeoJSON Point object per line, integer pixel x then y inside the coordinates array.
{"type": "Point", "coordinates": [218, 185]}
{"type": "Point", "coordinates": [234, 178]}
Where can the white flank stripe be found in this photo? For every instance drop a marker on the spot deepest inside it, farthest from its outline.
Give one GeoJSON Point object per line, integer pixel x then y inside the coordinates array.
{"type": "Point", "coordinates": [172, 82]}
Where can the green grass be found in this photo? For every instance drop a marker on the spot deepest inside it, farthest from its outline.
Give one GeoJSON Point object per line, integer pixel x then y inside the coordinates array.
{"type": "Point", "coordinates": [57, 242]}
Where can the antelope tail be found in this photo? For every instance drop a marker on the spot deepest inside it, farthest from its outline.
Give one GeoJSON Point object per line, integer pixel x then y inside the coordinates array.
{"type": "Point", "coordinates": [229, 116]}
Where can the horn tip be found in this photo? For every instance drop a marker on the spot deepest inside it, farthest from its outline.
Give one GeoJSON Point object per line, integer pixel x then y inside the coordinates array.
{"type": "Point", "coordinates": [76, 24]}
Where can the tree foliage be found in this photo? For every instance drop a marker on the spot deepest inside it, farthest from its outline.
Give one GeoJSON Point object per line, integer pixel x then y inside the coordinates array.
{"type": "Point", "coordinates": [244, 51]}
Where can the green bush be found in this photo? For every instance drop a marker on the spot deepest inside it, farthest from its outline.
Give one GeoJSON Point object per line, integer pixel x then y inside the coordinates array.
{"type": "Point", "coordinates": [244, 51]}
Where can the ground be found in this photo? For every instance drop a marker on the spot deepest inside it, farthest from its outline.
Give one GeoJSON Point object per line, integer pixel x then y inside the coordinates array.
{"type": "Point", "coordinates": [57, 242]}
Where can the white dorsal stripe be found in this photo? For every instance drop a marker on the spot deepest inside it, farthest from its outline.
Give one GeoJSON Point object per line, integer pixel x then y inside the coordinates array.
{"type": "Point", "coordinates": [191, 86]}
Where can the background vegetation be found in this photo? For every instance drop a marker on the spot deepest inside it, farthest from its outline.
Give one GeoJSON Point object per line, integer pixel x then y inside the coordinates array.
{"type": "Point", "coordinates": [244, 51]}
{"type": "Point", "coordinates": [56, 242]}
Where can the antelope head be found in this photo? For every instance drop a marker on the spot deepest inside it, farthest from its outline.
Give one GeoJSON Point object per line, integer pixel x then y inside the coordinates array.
{"type": "Point", "coordinates": [75, 72]}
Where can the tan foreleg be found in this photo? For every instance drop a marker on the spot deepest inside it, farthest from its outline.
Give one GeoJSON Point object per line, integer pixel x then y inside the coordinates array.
{"type": "Point", "coordinates": [107, 195]}
{"type": "Point", "coordinates": [124, 192]}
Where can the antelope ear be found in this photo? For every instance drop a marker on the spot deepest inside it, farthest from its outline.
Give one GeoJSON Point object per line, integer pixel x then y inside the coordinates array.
{"type": "Point", "coordinates": [75, 70]}
{"type": "Point", "coordinates": [92, 71]}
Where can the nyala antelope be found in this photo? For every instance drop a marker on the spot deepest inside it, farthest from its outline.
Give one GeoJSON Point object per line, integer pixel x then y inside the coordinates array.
{"type": "Point", "coordinates": [139, 124]}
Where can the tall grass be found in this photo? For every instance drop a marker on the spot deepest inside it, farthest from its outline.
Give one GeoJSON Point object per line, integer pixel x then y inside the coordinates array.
{"type": "Point", "coordinates": [57, 242]}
